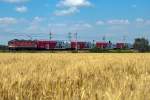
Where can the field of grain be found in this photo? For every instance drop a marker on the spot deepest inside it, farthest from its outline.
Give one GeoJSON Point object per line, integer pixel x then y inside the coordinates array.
{"type": "Point", "coordinates": [66, 76]}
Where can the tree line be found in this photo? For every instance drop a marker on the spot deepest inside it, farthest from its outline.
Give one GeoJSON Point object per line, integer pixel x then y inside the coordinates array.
{"type": "Point", "coordinates": [141, 45]}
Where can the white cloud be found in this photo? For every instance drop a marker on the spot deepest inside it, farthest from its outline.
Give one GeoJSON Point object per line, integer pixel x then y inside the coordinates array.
{"type": "Point", "coordinates": [74, 3]}
{"type": "Point", "coordinates": [69, 27]}
{"type": "Point", "coordinates": [142, 21]}
{"type": "Point", "coordinates": [38, 19]}
{"type": "Point", "coordinates": [57, 25]}
{"type": "Point", "coordinates": [139, 20]}
{"type": "Point", "coordinates": [113, 22]}
{"type": "Point", "coordinates": [71, 6]}
{"type": "Point", "coordinates": [86, 25]}
{"type": "Point", "coordinates": [80, 26]}
{"type": "Point", "coordinates": [14, 1]}
{"type": "Point", "coordinates": [21, 9]}
{"type": "Point", "coordinates": [35, 25]}
{"type": "Point", "coordinates": [68, 11]}
{"type": "Point", "coordinates": [118, 22]}
{"type": "Point", "coordinates": [100, 22]}
{"type": "Point", "coordinates": [7, 21]}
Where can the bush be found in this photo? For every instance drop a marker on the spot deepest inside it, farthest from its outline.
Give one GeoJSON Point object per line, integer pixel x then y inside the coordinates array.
{"type": "Point", "coordinates": [141, 44]}
{"type": "Point", "coordinates": [99, 50]}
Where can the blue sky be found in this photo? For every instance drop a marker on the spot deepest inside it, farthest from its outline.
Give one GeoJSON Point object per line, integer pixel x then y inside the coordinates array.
{"type": "Point", "coordinates": [92, 19]}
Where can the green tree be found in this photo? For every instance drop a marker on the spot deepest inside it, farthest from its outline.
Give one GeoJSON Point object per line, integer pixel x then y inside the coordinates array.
{"type": "Point", "coordinates": [141, 44]}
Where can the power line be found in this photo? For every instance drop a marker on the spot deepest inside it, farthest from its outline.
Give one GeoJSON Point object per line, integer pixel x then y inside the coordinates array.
{"type": "Point", "coordinates": [24, 34]}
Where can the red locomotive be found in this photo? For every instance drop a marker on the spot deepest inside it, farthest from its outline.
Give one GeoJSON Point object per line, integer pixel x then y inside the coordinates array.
{"type": "Point", "coordinates": [22, 44]}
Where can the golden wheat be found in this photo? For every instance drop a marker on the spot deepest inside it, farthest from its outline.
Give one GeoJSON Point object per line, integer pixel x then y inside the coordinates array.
{"type": "Point", "coordinates": [67, 76]}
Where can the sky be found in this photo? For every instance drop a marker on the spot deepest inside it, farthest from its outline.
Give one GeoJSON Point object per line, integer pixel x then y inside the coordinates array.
{"type": "Point", "coordinates": [116, 20]}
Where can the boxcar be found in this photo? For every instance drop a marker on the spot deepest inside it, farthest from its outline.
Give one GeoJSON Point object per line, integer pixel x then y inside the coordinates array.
{"type": "Point", "coordinates": [120, 45]}
{"type": "Point", "coordinates": [80, 45]}
{"type": "Point", "coordinates": [102, 45]}
{"type": "Point", "coordinates": [46, 45]}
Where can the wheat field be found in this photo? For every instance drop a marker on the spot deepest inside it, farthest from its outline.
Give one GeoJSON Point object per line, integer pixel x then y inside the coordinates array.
{"type": "Point", "coordinates": [66, 76]}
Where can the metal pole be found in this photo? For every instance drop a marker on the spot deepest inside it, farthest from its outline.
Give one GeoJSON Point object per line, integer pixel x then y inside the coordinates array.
{"type": "Point", "coordinates": [69, 36]}
{"type": "Point", "coordinates": [124, 39]}
{"type": "Point", "coordinates": [104, 39]}
{"type": "Point", "coordinates": [50, 36]}
{"type": "Point", "coordinates": [93, 43]}
{"type": "Point", "coordinates": [76, 37]}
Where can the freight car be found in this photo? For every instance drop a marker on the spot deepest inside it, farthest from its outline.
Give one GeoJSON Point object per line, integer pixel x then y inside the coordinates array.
{"type": "Point", "coordinates": [123, 46]}
{"type": "Point", "coordinates": [81, 45]}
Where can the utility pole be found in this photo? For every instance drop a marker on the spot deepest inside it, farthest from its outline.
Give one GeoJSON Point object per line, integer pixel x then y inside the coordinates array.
{"type": "Point", "coordinates": [124, 38]}
{"type": "Point", "coordinates": [104, 38]}
{"type": "Point", "coordinates": [93, 43]}
{"type": "Point", "coordinates": [70, 36]}
{"type": "Point", "coordinates": [76, 39]}
{"type": "Point", "coordinates": [50, 35]}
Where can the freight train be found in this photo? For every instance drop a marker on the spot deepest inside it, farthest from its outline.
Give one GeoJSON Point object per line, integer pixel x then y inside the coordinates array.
{"type": "Point", "coordinates": [63, 45]}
